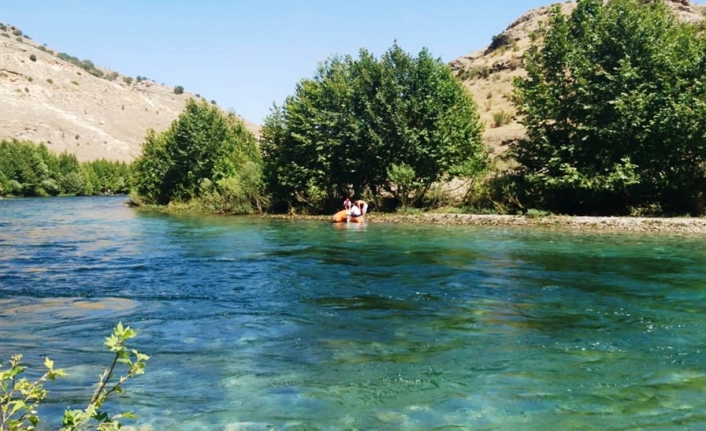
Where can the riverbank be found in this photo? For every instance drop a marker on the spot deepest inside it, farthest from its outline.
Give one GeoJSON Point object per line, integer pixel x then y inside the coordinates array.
{"type": "Point", "coordinates": [689, 225]}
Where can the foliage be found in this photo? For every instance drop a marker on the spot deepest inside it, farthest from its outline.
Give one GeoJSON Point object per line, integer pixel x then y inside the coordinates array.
{"type": "Point", "coordinates": [402, 177]}
{"type": "Point", "coordinates": [178, 89]}
{"type": "Point", "coordinates": [535, 213]}
{"type": "Point", "coordinates": [27, 169]}
{"type": "Point", "coordinates": [614, 103]}
{"type": "Point", "coordinates": [33, 57]}
{"type": "Point", "coordinates": [204, 143]}
{"type": "Point", "coordinates": [93, 415]}
{"type": "Point", "coordinates": [345, 127]}
{"type": "Point", "coordinates": [86, 65]}
{"type": "Point", "coordinates": [501, 118]}
{"type": "Point", "coordinates": [19, 397]}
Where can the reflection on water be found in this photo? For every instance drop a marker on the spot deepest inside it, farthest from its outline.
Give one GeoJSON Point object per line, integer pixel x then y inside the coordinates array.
{"type": "Point", "coordinates": [257, 324]}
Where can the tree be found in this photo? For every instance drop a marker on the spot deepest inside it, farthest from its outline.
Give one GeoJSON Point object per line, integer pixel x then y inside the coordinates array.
{"type": "Point", "coordinates": [613, 103]}
{"type": "Point", "coordinates": [177, 90]}
{"type": "Point", "coordinates": [343, 129]}
{"type": "Point", "coordinates": [204, 143]}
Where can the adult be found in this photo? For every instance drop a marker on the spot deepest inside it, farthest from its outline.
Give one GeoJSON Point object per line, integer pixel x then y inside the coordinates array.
{"type": "Point", "coordinates": [362, 206]}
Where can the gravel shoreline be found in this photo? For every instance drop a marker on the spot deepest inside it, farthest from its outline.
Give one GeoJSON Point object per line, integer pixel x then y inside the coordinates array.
{"type": "Point", "coordinates": [689, 225]}
{"type": "Point", "coordinates": [629, 224]}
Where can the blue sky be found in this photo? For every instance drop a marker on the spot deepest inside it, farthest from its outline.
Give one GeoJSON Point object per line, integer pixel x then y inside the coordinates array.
{"type": "Point", "coordinates": [247, 55]}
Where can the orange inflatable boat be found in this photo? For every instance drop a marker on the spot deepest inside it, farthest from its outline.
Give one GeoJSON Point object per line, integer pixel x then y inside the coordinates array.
{"type": "Point", "coordinates": [340, 217]}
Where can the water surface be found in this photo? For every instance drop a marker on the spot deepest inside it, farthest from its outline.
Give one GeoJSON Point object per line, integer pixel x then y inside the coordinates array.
{"type": "Point", "coordinates": [256, 323]}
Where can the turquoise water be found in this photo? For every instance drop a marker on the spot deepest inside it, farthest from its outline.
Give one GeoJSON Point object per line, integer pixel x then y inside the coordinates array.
{"type": "Point", "coordinates": [260, 324]}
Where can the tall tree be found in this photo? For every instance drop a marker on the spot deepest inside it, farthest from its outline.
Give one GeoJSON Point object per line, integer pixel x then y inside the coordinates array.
{"type": "Point", "coordinates": [613, 103]}
{"type": "Point", "coordinates": [344, 129]}
{"type": "Point", "coordinates": [203, 146]}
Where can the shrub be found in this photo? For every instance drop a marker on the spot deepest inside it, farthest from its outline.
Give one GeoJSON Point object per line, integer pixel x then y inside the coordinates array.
{"type": "Point", "coordinates": [33, 57]}
{"type": "Point", "coordinates": [178, 89]}
{"type": "Point", "coordinates": [17, 32]}
{"type": "Point", "coordinates": [501, 118]}
{"type": "Point", "coordinates": [402, 177]}
{"type": "Point", "coordinates": [74, 82]}
{"type": "Point", "coordinates": [127, 80]}
{"type": "Point", "coordinates": [49, 80]}
{"type": "Point", "coordinates": [501, 40]}
{"type": "Point", "coordinates": [534, 213]}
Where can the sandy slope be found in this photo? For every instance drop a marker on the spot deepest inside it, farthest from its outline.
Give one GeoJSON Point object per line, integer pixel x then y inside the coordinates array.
{"type": "Point", "coordinates": [53, 101]}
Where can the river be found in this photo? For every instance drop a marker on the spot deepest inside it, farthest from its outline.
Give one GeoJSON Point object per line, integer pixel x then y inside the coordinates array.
{"type": "Point", "coordinates": [256, 323]}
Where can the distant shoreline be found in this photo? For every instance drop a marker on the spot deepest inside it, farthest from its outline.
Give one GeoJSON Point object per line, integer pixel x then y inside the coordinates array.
{"type": "Point", "coordinates": [689, 225]}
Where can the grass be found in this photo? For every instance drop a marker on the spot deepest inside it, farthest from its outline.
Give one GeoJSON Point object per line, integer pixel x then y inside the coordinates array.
{"type": "Point", "coordinates": [501, 118]}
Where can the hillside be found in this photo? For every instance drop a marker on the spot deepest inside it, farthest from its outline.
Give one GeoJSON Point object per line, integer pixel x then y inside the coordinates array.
{"type": "Point", "coordinates": [489, 72]}
{"type": "Point", "coordinates": [75, 106]}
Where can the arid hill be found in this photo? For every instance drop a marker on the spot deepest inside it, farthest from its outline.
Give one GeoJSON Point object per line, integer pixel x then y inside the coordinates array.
{"type": "Point", "coordinates": [73, 105]}
{"type": "Point", "coordinates": [489, 72]}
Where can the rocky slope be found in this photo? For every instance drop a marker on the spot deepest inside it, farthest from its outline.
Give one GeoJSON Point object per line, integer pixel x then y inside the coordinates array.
{"type": "Point", "coordinates": [63, 103]}
{"type": "Point", "coordinates": [489, 72]}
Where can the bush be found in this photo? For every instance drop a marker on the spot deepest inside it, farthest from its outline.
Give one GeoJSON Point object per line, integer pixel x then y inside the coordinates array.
{"type": "Point", "coordinates": [127, 80]}
{"type": "Point", "coordinates": [178, 89]}
{"type": "Point", "coordinates": [501, 118]}
{"type": "Point", "coordinates": [534, 213]}
{"type": "Point", "coordinates": [17, 32]}
{"type": "Point", "coordinates": [33, 57]}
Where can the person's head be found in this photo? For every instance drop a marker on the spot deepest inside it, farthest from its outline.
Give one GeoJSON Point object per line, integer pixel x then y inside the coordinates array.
{"type": "Point", "coordinates": [347, 203]}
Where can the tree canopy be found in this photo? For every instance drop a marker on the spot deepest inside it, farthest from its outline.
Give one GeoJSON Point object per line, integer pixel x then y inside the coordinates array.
{"type": "Point", "coordinates": [28, 169]}
{"type": "Point", "coordinates": [343, 130]}
{"type": "Point", "coordinates": [613, 102]}
{"type": "Point", "coordinates": [204, 149]}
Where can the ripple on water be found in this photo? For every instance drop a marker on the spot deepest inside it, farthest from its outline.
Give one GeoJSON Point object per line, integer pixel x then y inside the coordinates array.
{"type": "Point", "coordinates": [268, 324]}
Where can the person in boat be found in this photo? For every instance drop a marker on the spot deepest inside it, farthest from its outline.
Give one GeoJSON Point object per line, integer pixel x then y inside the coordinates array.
{"type": "Point", "coordinates": [355, 208]}
{"type": "Point", "coordinates": [362, 205]}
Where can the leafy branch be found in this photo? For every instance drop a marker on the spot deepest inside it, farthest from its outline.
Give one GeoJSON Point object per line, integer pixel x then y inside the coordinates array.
{"type": "Point", "coordinates": [19, 397]}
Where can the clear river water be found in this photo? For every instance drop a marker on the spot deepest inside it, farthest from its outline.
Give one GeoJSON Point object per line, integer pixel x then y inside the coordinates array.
{"type": "Point", "coordinates": [258, 324]}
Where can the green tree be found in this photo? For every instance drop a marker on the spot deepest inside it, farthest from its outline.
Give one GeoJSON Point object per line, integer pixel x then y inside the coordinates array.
{"type": "Point", "coordinates": [204, 143]}
{"type": "Point", "coordinates": [614, 104]}
{"type": "Point", "coordinates": [343, 129]}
